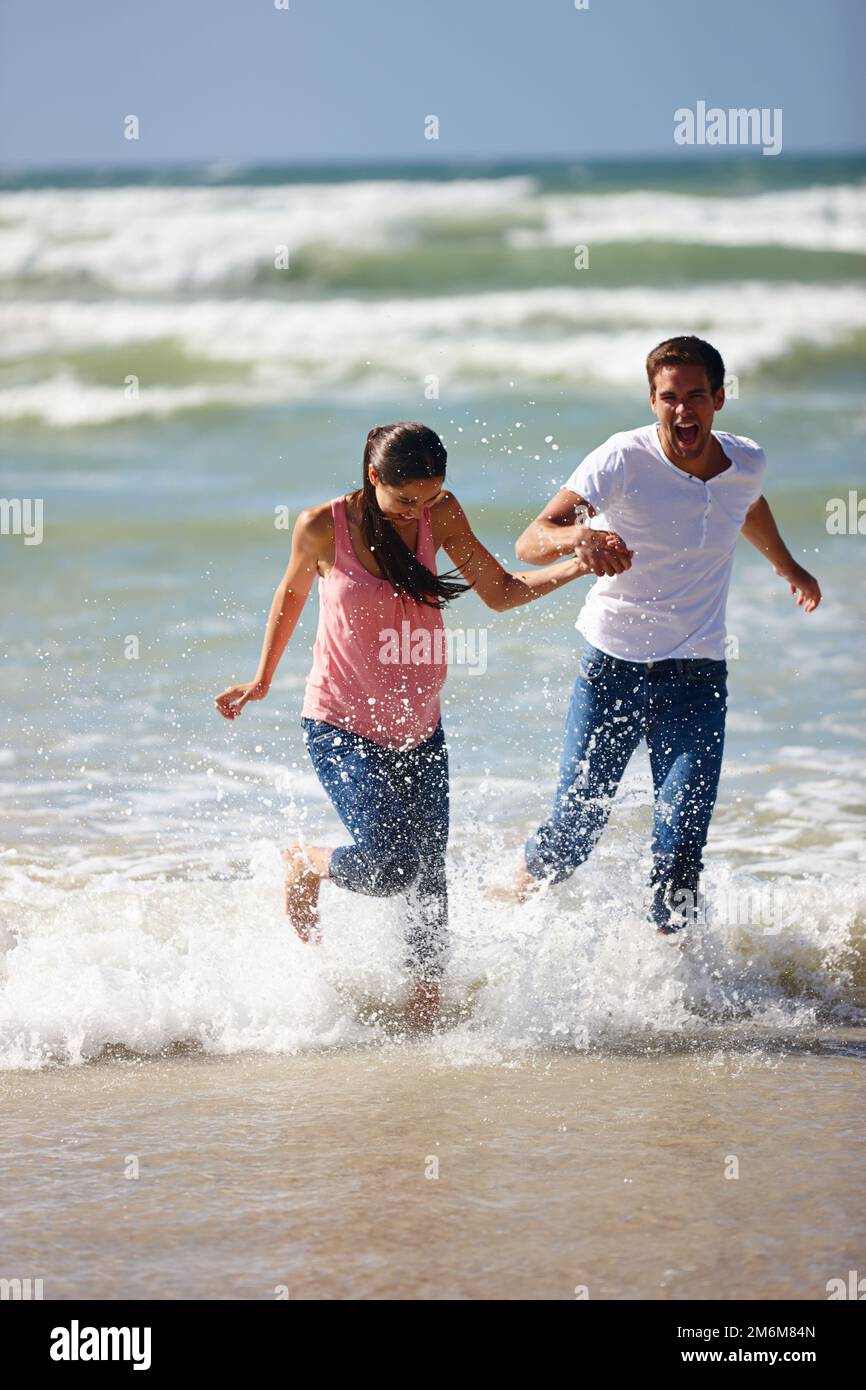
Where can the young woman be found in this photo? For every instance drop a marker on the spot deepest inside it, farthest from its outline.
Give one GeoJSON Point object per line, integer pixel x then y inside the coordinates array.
{"type": "Point", "coordinates": [371, 715]}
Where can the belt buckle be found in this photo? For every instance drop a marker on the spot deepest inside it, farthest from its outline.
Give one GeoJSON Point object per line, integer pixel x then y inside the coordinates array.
{"type": "Point", "coordinates": [650, 665]}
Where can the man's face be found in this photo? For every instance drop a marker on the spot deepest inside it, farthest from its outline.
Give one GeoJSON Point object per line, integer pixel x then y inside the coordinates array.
{"type": "Point", "coordinates": [684, 406]}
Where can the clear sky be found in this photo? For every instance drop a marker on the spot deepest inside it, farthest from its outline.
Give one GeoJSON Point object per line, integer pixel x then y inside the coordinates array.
{"type": "Point", "coordinates": [354, 79]}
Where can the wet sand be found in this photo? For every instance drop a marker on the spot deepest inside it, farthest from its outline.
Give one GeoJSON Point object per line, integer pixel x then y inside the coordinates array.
{"type": "Point", "coordinates": [315, 1175]}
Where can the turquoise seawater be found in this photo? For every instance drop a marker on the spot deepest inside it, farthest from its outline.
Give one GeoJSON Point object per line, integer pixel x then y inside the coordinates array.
{"type": "Point", "coordinates": [186, 352]}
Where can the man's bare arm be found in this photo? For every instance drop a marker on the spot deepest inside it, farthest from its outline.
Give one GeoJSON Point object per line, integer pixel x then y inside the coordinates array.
{"type": "Point", "coordinates": [760, 529]}
{"type": "Point", "coordinates": [561, 530]}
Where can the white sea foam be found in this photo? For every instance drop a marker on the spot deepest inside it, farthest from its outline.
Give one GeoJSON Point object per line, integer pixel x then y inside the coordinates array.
{"type": "Point", "coordinates": [209, 962]}
{"type": "Point", "coordinates": [147, 239]}
{"type": "Point", "coordinates": [168, 239]}
{"type": "Point", "coordinates": [819, 219]}
{"type": "Point", "coordinates": [544, 337]}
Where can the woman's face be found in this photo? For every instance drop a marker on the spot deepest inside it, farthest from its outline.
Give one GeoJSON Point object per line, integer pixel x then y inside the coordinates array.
{"type": "Point", "coordinates": [404, 502]}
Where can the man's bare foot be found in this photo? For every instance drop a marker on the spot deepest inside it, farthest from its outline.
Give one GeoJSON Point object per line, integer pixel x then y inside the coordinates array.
{"type": "Point", "coordinates": [303, 880]}
{"type": "Point", "coordinates": [521, 887]}
{"type": "Point", "coordinates": [423, 1005]}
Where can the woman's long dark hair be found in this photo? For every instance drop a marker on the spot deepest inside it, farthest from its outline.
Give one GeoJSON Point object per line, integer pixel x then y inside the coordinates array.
{"type": "Point", "coordinates": [405, 452]}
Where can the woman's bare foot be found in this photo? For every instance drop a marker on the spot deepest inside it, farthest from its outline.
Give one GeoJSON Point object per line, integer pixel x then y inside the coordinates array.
{"type": "Point", "coordinates": [423, 1005]}
{"type": "Point", "coordinates": [304, 873]}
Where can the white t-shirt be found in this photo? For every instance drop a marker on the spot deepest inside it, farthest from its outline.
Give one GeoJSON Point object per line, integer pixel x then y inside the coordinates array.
{"type": "Point", "coordinates": [671, 603]}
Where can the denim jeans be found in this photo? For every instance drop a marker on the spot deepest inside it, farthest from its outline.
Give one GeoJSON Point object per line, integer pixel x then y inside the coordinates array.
{"type": "Point", "coordinates": [678, 706]}
{"type": "Point", "coordinates": [395, 807]}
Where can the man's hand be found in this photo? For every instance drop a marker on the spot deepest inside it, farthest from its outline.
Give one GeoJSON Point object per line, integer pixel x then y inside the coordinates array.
{"type": "Point", "coordinates": [804, 585]}
{"type": "Point", "coordinates": [603, 552]}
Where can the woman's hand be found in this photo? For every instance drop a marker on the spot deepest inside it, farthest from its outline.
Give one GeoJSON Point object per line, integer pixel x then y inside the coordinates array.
{"type": "Point", "coordinates": [231, 701]}
{"type": "Point", "coordinates": [603, 552]}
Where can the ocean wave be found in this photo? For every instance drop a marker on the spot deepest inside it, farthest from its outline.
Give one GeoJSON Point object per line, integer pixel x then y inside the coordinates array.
{"type": "Point", "coordinates": [272, 351]}
{"type": "Point", "coordinates": [819, 219]}
{"type": "Point", "coordinates": [170, 239]}
{"type": "Point", "coordinates": [211, 963]}
{"type": "Point", "coordinates": [164, 239]}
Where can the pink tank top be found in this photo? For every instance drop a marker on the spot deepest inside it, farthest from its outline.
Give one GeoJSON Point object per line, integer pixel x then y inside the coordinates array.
{"type": "Point", "coordinates": [379, 660]}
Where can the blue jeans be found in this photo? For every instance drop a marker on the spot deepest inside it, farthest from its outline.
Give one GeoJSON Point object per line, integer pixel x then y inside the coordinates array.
{"type": "Point", "coordinates": [678, 706]}
{"type": "Point", "coordinates": [395, 807]}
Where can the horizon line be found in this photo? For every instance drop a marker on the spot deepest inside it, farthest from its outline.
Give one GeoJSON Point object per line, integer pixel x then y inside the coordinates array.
{"type": "Point", "coordinates": [720, 155]}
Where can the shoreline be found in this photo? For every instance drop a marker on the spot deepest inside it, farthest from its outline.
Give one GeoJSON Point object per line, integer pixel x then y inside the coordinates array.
{"type": "Point", "coordinates": [411, 1172]}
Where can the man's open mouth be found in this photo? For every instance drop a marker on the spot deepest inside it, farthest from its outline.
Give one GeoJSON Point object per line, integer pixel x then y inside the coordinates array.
{"type": "Point", "coordinates": [687, 435]}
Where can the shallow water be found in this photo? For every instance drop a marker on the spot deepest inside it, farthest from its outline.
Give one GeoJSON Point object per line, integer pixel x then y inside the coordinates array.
{"type": "Point", "coordinates": [583, 1111]}
{"type": "Point", "coordinates": [427, 1171]}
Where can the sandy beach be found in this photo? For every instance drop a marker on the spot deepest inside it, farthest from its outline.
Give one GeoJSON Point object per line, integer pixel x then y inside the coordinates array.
{"type": "Point", "coordinates": [315, 1177]}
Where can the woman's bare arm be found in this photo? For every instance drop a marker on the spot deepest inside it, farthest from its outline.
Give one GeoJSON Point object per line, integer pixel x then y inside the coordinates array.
{"type": "Point", "coordinates": [496, 586]}
{"type": "Point", "coordinates": [309, 541]}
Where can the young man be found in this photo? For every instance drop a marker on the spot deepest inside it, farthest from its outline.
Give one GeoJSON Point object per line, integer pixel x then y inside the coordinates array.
{"type": "Point", "coordinates": [677, 494]}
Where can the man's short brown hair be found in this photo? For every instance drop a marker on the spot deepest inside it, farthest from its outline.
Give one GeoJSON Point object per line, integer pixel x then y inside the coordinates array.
{"type": "Point", "coordinates": [687, 351]}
